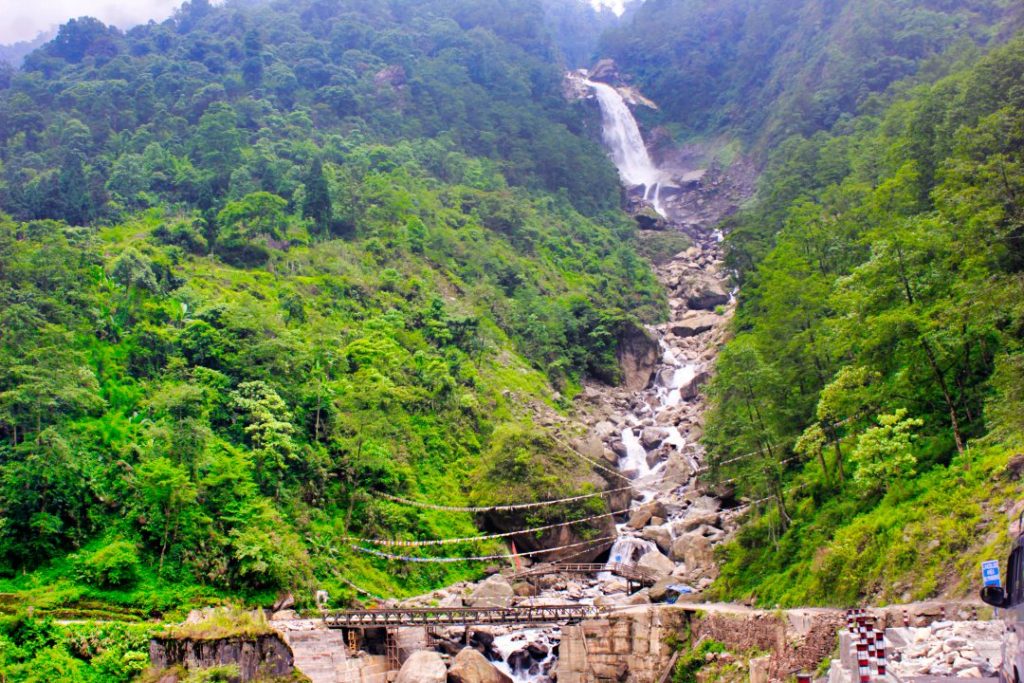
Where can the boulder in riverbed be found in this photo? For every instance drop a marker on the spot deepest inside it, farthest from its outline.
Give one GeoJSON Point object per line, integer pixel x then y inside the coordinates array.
{"type": "Point", "coordinates": [638, 355]}
{"type": "Point", "coordinates": [695, 552]}
{"type": "Point", "coordinates": [656, 563]}
{"type": "Point", "coordinates": [494, 592]}
{"type": "Point", "coordinates": [470, 666]}
{"type": "Point", "coordinates": [425, 666]}
{"type": "Point", "coordinates": [694, 325]}
{"type": "Point", "coordinates": [661, 537]}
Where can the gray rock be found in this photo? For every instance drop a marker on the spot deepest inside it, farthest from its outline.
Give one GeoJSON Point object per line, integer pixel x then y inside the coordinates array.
{"type": "Point", "coordinates": [694, 521]}
{"type": "Point", "coordinates": [652, 437]}
{"type": "Point", "coordinates": [694, 325]}
{"type": "Point", "coordinates": [605, 71]}
{"type": "Point", "coordinates": [496, 591]}
{"type": "Point", "coordinates": [659, 591]}
{"type": "Point", "coordinates": [640, 517]}
{"type": "Point", "coordinates": [661, 537]}
{"type": "Point", "coordinates": [469, 666]}
{"type": "Point", "coordinates": [656, 563]}
{"type": "Point", "coordinates": [694, 551]}
{"type": "Point", "coordinates": [425, 666]}
{"type": "Point", "coordinates": [708, 295]}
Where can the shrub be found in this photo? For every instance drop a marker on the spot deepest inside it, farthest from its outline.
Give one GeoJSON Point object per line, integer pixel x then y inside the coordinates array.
{"type": "Point", "coordinates": [114, 565]}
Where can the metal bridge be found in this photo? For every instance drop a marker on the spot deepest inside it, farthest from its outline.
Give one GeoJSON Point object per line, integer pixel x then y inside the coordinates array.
{"type": "Point", "coordinates": [633, 574]}
{"type": "Point", "coordinates": [457, 616]}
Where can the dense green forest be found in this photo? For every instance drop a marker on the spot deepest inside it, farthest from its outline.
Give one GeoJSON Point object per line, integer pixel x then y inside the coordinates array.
{"type": "Point", "coordinates": [762, 70]}
{"type": "Point", "coordinates": [875, 378]}
{"type": "Point", "coordinates": [265, 260]}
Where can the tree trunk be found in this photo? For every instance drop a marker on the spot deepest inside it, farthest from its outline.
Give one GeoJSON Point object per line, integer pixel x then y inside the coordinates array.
{"type": "Point", "coordinates": [954, 420]}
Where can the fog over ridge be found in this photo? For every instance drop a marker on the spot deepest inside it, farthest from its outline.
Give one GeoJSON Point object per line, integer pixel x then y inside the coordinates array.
{"type": "Point", "coordinates": [23, 21]}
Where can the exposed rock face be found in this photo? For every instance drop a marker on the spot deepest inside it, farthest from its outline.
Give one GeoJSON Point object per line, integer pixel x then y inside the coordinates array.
{"type": "Point", "coordinates": [638, 357]}
{"type": "Point", "coordinates": [695, 324]}
{"type": "Point", "coordinates": [261, 656]}
{"type": "Point", "coordinates": [556, 538]}
{"type": "Point", "coordinates": [605, 71]}
{"type": "Point", "coordinates": [424, 666]}
{"type": "Point", "coordinates": [657, 563]}
{"type": "Point", "coordinates": [472, 667]}
{"type": "Point", "coordinates": [494, 592]}
{"type": "Point", "coordinates": [390, 76]}
{"type": "Point", "coordinates": [649, 219]}
{"type": "Point", "coordinates": [695, 552]}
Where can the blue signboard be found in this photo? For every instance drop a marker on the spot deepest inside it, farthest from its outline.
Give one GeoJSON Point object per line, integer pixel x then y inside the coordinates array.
{"type": "Point", "coordinates": [990, 573]}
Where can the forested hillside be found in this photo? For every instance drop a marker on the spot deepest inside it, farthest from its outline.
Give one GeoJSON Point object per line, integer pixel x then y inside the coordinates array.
{"type": "Point", "coordinates": [761, 70]}
{"type": "Point", "coordinates": [263, 262]}
{"type": "Point", "coordinates": [872, 396]}
{"type": "Point", "coordinates": [270, 270]}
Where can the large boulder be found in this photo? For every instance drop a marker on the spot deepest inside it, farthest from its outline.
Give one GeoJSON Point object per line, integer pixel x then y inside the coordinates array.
{"type": "Point", "coordinates": [425, 666]}
{"type": "Point", "coordinates": [656, 563]}
{"type": "Point", "coordinates": [690, 390]}
{"type": "Point", "coordinates": [496, 591]}
{"type": "Point", "coordinates": [696, 552]}
{"type": "Point", "coordinates": [470, 666]}
{"type": "Point", "coordinates": [638, 355]}
{"type": "Point", "coordinates": [640, 517]}
{"type": "Point", "coordinates": [695, 324]}
{"type": "Point", "coordinates": [661, 537]}
{"type": "Point", "coordinates": [678, 471]}
{"type": "Point", "coordinates": [649, 219]}
{"type": "Point", "coordinates": [651, 437]}
{"type": "Point", "coordinates": [708, 295]}
{"type": "Point", "coordinates": [695, 521]}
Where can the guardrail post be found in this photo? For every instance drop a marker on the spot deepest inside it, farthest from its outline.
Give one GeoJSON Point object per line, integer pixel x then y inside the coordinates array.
{"type": "Point", "coordinates": [880, 652]}
{"type": "Point", "coordinates": [863, 669]}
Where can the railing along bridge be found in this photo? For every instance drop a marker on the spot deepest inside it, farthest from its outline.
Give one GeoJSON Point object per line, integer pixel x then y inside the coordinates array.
{"type": "Point", "coordinates": [457, 616]}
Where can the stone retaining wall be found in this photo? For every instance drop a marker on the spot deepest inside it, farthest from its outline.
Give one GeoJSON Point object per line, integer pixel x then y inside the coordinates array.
{"type": "Point", "coordinates": [631, 645]}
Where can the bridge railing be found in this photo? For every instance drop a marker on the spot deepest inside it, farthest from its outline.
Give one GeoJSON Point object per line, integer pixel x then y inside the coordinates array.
{"type": "Point", "coordinates": [457, 616]}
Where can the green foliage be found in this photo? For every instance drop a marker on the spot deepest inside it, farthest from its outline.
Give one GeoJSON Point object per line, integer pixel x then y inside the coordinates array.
{"type": "Point", "coordinates": [322, 251]}
{"type": "Point", "coordinates": [212, 107]}
{"type": "Point", "coordinates": [87, 652]}
{"type": "Point", "coordinates": [883, 456]}
{"type": "Point", "coordinates": [763, 70]}
{"type": "Point", "coordinates": [690, 664]}
{"type": "Point", "coordinates": [880, 277]}
{"type": "Point", "coordinates": [223, 622]}
{"type": "Point", "coordinates": [113, 566]}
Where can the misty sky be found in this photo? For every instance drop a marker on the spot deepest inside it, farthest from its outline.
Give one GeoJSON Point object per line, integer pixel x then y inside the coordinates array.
{"type": "Point", "coordinates": [24, 19]}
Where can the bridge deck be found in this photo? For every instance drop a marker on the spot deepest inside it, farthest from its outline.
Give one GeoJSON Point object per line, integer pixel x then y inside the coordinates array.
{"type": "Point", "coordinates": [457, 616]}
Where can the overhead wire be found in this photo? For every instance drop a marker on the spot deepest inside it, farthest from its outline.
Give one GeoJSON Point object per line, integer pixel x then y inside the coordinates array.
{"type": "Point", "coordinates": [396, 543]}
{"type": "Point", "coordinates": [477, 558]}
{"type": "Point", "coordinates": [501, 508]}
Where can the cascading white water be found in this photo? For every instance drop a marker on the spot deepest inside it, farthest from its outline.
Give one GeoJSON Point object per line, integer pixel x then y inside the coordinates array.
{"type": "Point", "coordinates": [635, 459]}
{"type": "Point", "coordinates": [629, 549]}
{"type": "Point", "coordinates": [516, 641]}
{"type": "Point", "coordinates": [622, 136]}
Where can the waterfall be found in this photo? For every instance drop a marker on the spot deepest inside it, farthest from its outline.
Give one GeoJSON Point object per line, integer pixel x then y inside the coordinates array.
{"type": "Point", "coordinates": [622, 137]}
{"type": "Point", "coordinates": [629, 549]}
{"type": "Point", "coordinates": [635, 460]}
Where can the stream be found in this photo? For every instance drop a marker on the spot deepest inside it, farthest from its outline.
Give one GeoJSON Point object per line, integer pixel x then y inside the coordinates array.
{"type": "Point", "coordinates": [655, 431]}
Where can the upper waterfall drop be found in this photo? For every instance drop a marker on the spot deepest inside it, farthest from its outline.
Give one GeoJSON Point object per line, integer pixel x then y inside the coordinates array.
{"type": "Point", "coordinates": [622, 137]}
